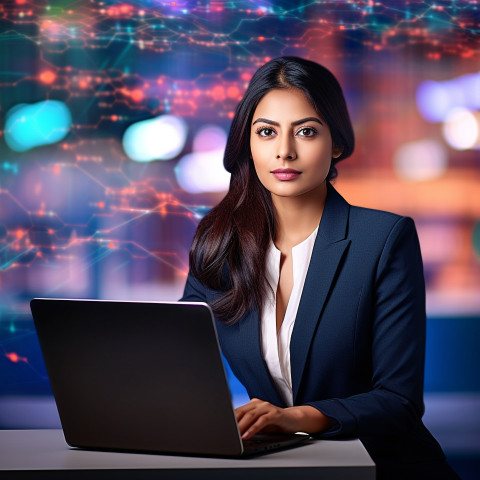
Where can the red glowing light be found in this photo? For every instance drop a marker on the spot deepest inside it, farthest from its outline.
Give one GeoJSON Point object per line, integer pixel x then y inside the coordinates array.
{"type": "Point", "coordinates": [261, 39]}
{"type": "Point", "coordinates": [218, 93]}
{"type": "Point", "coordinates": [120, 11]}
{"type": "Point", "coordinates": [56, 169]}
{"type": "Point", "coordinates": [15, 358]}
{"type": "Point", "coordinates": [114, 118]}
{"type": "Point", "coordinates": [101, 204]}
{"type": "Point", "coordinates": [137, 95]}
{"type": "Point", "coordinates": [233, 92]}
{"type": "Point", "coordinates": [47, 77]}
{"type": "Point", "coordinates": [21, 2]}
{"type": "Point", "coordinates": [467, 54]}
{"type": "Point", "coordinates": [111, 245]}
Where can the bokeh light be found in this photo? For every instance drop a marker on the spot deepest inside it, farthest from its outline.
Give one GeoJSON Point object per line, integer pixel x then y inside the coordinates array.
{"type": "Point", "coordinates": [461, 129]}
{"type": "Point", "coordinates": [203, 170]}
{"type": "Point", "coordinates": [160, 138]}
{"type": "Point", "coordinates": [208, 138]}
{"type": "Point", "coordinates": [421, 160]}
{"type": "Point", "coordinates": [32, 125]}
{"type": "Point", "coordinates": [435, 100]}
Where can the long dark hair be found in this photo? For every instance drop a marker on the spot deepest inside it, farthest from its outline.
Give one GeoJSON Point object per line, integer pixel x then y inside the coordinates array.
{"type": "Point", "coordinates": [229, 246]}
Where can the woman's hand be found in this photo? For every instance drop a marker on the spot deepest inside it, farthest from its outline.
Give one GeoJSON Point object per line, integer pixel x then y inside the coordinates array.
{"type": "Point", "coordinates": [257, 415]}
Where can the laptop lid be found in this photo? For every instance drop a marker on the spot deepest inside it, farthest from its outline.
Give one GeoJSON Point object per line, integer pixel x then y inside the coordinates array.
{"type": "Point", "coordinates": [144, 376]}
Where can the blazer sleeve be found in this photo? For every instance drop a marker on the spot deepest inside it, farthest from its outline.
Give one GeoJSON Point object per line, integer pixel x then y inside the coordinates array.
{"type": "Point", "coordinates": [395, 402]}
{"type": "Point", "coordinates": [194, 291]}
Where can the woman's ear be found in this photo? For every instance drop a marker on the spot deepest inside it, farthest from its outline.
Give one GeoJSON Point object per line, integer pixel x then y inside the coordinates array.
{"type": "Point", "coordinates": [337, 150]}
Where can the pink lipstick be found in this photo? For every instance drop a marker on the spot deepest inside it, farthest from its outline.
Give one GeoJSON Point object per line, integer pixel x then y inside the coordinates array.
{"type": "Point", "coordinates": [286, 174]}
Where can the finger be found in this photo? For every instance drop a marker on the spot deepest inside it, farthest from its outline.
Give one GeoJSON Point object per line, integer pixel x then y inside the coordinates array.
{"type": "Point", "coordinates": [248, 407]}
{"type": "Point", "coordinates": [241, 411]}
{"type": "Point", "coordinates": [248, 419]}
{"type": "Point", "coordinates": [264, 415]}
{"type": "Point", "coordinates": [260, 424]}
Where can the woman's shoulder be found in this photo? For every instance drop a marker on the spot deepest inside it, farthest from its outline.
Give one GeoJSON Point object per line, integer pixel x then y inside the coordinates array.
{"type": "Point", "coordinates": [378, 222]}
{"type": "Point", "coordinates": [364, 223]}
{"type": "Point", "coordinates": [374, 215]}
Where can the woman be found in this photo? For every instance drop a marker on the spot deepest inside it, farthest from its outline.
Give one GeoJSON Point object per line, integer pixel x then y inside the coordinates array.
{"type": "Point", "coordinates": [320, 306]}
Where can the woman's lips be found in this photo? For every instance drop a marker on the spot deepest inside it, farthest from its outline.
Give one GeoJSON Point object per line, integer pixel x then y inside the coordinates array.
{"type": "Point", "coordinates": [286, 174]}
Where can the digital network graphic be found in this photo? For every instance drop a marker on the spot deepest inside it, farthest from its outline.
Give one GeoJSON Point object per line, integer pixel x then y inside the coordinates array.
{"type": "Point", "coordinates": [114, 116]}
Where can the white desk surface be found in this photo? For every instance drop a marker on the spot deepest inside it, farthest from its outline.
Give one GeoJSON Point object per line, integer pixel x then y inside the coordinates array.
{"type": "Point", "coordinates": [36, 451]}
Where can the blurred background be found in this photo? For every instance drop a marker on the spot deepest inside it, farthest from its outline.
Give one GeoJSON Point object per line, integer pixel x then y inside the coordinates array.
{"type": "Point", "coordinates": [113, 120]}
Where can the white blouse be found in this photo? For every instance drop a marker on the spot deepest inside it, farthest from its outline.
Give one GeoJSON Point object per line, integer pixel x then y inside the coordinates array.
{"type": "Point", "coordinates": [276, 348]}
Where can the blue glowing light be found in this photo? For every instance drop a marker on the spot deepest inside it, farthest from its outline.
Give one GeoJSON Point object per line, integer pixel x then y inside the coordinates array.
{"type": "Point", "coordinates": [10, 167]}
{"type": "Point", "coordinates": [32, 125]}
{"type": "Point", "coordinates": [435, 100]}
{"type": "Point", "coordinates": [160, 138]}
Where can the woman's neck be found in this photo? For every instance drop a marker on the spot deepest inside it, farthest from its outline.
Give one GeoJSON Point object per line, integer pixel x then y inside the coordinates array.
{"type": "Point", "coordinates": [297, 217]}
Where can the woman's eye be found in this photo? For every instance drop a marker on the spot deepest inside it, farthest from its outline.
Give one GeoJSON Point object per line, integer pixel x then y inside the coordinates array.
{"type": "Point", "coordinates": [307, 132]}
{"type": "Point", "coordinates": [265, 131]}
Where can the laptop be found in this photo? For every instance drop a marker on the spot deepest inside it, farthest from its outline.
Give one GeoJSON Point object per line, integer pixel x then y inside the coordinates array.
{"type": "Point", "coordinates": [142, 376]}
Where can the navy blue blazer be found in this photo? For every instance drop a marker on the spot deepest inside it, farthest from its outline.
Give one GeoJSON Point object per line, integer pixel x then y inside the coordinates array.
{"type": "Point", "coordinates": [358, 344]}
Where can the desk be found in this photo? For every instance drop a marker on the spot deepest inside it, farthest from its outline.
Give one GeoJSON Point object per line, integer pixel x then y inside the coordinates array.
{"type": "Point", "coordinates": [43, 454]}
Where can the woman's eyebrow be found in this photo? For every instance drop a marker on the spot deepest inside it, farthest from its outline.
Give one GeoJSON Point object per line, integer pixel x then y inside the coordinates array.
{"type": "Point", "coordinates": [294, 124]}
{"type": "Point", "coordinates": [266, 120]}
{"type": "Point", "coordinates": [307, 119]}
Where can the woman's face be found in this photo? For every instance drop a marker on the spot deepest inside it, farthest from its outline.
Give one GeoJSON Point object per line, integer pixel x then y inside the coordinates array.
{"type": "Point", "coordinates": [291, 145]}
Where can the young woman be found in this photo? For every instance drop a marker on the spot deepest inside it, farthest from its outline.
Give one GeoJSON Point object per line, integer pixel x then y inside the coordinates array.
{"type": "Point", "coordinates": [320, 306]}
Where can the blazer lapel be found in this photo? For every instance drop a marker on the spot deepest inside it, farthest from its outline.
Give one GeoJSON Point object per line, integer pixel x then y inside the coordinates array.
{"type": "Point", "coordinates": [328, 251]}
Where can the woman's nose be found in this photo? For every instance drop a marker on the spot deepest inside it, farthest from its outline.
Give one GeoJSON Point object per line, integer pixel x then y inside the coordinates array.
{"type": "Point", "coordinates": [286, 148]}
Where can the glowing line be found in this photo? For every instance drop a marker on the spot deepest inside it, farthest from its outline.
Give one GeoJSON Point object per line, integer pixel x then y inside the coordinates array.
{"type": "Point", "coordinates": [10, 262]}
